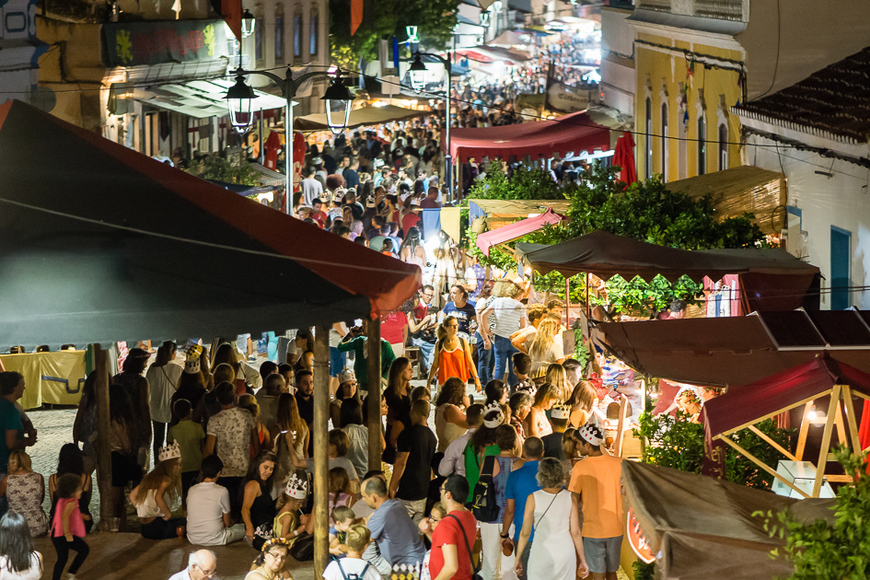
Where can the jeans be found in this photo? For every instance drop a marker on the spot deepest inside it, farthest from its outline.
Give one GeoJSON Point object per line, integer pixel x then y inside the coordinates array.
{"type": "Point", "coordinates": [427, 350]}
{"type": "Point", "coordinates": [62, 547]}
{"type": "Point", "coordinates": [504, 350]}
{"type": "Point", "coordinates": [485, 361]}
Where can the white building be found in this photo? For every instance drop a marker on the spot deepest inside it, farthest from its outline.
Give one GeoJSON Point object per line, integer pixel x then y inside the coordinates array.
{"type": "Point", "coordinates": [19, 50]}
{"type": "Point", "coordinates": [817, 132]}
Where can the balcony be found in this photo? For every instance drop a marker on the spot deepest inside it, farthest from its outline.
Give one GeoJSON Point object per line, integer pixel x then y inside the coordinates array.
{"type": "Point", "coordinates": [717, 9]}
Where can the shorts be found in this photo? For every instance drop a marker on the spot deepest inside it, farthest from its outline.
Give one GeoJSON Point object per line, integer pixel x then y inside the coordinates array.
{"type": "Point", "coordinates": [337, 361]}
{"type": "Point", "coordinates": [602, 554]}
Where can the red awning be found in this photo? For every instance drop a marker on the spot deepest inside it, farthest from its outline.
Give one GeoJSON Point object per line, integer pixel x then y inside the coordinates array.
{"type": "Point", "coordinates": [516, 230]}
{"type": "Point", "coordinates": [741, 405]}
{"type": "Point", "coordinates": [567, 134]}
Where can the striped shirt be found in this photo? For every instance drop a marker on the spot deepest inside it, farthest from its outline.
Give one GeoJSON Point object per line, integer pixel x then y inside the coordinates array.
{"type": "Point", "coordinates": [507, 313]}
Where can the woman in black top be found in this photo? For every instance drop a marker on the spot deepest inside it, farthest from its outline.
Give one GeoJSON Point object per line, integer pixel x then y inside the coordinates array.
{"type": "Point", "coordinates": [258, 507]}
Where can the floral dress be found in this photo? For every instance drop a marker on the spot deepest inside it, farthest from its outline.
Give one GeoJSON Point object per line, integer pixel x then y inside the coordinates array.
{"type": "Point", "coordinates": [24, 493]}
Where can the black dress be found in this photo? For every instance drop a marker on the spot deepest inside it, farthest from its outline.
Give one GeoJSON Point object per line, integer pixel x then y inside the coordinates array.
{"type": "Point", "coordinates": [262, 516]}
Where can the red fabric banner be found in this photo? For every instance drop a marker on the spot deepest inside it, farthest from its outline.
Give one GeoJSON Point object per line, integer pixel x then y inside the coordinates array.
{"type": "Point", "coordinates": [356, 15]}
{"type": "Point", "coordinates": [231, 10]}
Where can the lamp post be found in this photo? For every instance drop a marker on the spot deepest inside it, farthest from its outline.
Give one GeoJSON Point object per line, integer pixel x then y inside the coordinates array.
{"type": "Point", "coordinates": [417, 72]}
{"type": "Point", "coordinates": [337, 97]}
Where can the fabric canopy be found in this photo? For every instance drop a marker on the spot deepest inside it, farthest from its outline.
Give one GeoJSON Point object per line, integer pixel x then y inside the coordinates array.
{"type": "Point", "coordinates": [736, 350]}
{"type": "Point", "coordinates": [703, 527]}
{"type": "Point", "coordinates": [359, 118]}
{"type": "Point", "coordinates": [743, 404]}
{"type": "Point", "coordinates": [99, 243]}
{"type": "Point", "coordinates": [570, 133]}
{"type": "Point", "coordinates": [516, 230]}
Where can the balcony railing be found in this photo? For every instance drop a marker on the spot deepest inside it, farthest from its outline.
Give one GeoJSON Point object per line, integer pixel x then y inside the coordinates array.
{"type": "Point", "coordinates": [719, 9]}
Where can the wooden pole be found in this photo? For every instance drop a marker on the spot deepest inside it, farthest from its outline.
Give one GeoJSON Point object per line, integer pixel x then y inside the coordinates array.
{"type": "Point", "coordinates": [850, 417]}
{"type": "Point", "coordinates": [804, 432]}
{"type": "Point", "coordinates": [321, 450]}
{"type": "Point", "coordinates": [104, 453]}
{"type": "Point", "coordinates": [826, 441]}
{"type": "Point", "coordinates": [373, 332]}
{"type": "Point", "coordinates": [760, 464]}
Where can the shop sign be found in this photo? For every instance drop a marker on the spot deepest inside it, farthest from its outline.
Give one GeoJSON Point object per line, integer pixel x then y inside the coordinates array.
{"type": "Point", "coordinates": [150, 43]}
{"type": "Point", "coordinates": [566, 99]}
{"type": "Point", "coordinates": [638, 542]}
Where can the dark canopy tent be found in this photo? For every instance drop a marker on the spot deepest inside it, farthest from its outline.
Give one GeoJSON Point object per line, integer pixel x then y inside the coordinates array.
{"type": "Point", "coordinates": [570, 133]}
{"type": "Point", "coordinates": [771, 279]}
{"type": "Point", "coordinates": [365, 117]}
{"type": "Point", "coordinates": [99, 243]}
{"type": "Point", "coordinates": [703, 527]}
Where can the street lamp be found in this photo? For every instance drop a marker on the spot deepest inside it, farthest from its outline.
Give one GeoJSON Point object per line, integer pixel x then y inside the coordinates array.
{"type": "Point", "coordinates": [240, 95]}
{"type": "Point", "coordinates": [417, 72]}
{"type": "Point", "coordinates": [248, 23]}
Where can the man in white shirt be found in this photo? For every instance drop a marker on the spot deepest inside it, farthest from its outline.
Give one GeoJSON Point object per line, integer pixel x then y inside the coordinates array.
{"type": "Point", "coordinates": [454, 456]}
{"type": "Point", "coordinates": [311, 188]}
{"type": "Point", "coordinates": [208, 509]}
{"type": "Point", "coordinates": [201, 565]}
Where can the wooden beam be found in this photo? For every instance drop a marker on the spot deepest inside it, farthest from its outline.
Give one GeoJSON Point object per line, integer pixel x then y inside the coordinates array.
{"type": "Point", "coordinates": [104, 453]}
{"type": "Point", "coordinates": [774, 414]}
{"type": "Point", "coordinates": [373, 332]}
{"type": "Point", "coordinates": [761, 464]}
{"type": "Point", "coordinates": [838, 423]}
{"type": "Point", "coordinates": [846, 393]}
{"type": "Point", "coordinates": [826, 443]}
{"type": "Point", "coordinates": [321, 449]}
{"type": "Point", "coordinates": [772, 443]}
{"type": "Point", "coordinates": [804, 432]}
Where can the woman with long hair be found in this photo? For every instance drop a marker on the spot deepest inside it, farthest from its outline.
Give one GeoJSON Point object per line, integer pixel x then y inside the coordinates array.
{"type": "Point", "coordinates": [305, 345]}
{"type": "Point", "coordinates": [537, 424]}
{"type": "Point", "coordinates": [547, 347]}
{"type": "Point", "coordinates": [450, 406]}
{"type": "Point", "coordinates": [85, 424]}
{"type": "Point", "coordinates": [18, 559]}
{"type": "Point", "coordinates": [136, 386]}
{"type": "Point", "coordinates": [490, 532]}
{"type": "Point", "coordinates": [125, 468]}
{"type": "Point", "coordinates": [226, 354]}
{"type": "Point", "coordinates": [351, 421]}
{"type": "Point", "coordinates": [25, 490]}
{"type": "Point", "coordinates": [347, 389]}
{"type": "Point", "coordinates": [482, 444]}
{"type": "Point", "coordinates": [412, 251]}
{"type": "Point", "coordinates": [558, 377]}
{"type": "Point", "coordinates": [291, 443]}
{"type": "Point", "coordinates": [398, 398]}
{"type": "Point", "coordinates": [71, 460]}
{"type": "Point", "coordinates": [258, 507]}
{"type": "Point", "coordinates": [452, 356]}
{"type": "Point", "coordinates": [582, 400]}
{"type": "Point", "coordinates": [153, 498]}
{"type": "Point", "coordinates": [162, 380]}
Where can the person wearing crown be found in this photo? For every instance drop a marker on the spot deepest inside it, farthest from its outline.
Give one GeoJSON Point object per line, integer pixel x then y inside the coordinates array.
{"type": "Point", "coordinates": [290, 523]}
{"type": "Point", "coordinates": [158, 491]}
{"type": "Point", "coordinates": [559, 414]}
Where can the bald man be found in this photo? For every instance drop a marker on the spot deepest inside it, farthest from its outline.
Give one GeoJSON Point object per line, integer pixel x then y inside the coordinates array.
{"type": "Point", "coordinates": [201, 565]}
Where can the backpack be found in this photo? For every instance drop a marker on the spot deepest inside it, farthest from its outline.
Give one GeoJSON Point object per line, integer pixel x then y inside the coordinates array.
{"type": "Point", "coordinates": [354, 576]}
{"type": "Point", "coordinates": [484, 506]}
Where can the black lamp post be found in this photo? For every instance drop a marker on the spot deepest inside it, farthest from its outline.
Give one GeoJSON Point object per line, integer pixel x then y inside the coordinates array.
{"type": "Point", "coordinates": [417, 72]}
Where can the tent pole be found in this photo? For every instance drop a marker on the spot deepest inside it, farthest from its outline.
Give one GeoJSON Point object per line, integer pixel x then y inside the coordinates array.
{"type": "Point", "coordinates": [850, 417]}
{"type": "Point", "coordinates": [804, 432]}
{"type": "Point", "coordinates": [373, 332]}
{"type": "Point", "coordinates": [567, 303]}
{"type": "Point", "coordinates": [826, 442]}
{"type": "Point", "coordinates": [104, 453]}
{"type": "Point", "coordinates": [321, 449]}
{"type": "Point", "coordinates": [760, 464]}
{"type": "Point", "coordinates": [772, 443]}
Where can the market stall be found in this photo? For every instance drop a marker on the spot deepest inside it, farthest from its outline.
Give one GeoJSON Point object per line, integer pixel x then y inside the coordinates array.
{"type": "Point", "coordinates": [516, 230]}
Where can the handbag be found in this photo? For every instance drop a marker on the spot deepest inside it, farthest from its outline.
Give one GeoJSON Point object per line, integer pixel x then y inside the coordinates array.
{"type": "Point", "coordinates": [475, 570]}
{"type": "Point", "coordinates": [303, 548]}
{"type": "Point", "coordinates": [483, 503]}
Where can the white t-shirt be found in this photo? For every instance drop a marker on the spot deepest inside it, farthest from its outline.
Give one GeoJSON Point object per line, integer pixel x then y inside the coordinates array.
{"type": "Point", "coordinates": [508, 315]}
{"type": "Point", "coordinates": [163, 382]}
{"type": "Point", "coordinates": [351, 566]}
{"type": "Point", "coordinates": [207, 502]}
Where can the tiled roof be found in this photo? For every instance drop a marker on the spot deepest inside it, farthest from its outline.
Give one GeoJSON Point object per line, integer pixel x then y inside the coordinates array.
{"type": "Point", "coordinates": [835, 99]}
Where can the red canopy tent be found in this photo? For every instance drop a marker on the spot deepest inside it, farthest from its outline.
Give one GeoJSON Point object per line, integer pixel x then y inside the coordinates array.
{"type": "Point", "coordinates": [570, 133]}
{"type": "Point", "coordinates": [516, 230]}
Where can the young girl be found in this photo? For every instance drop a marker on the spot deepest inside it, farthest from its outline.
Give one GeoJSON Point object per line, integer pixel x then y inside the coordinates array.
{"type": "Point", "coordinates": [68, 528]}
{"type": "Point", "coordinates": [157, 492]}
{"type": "Point", "coordinates": [290, 523]}
{"type": "Point", "coordinates": [339, 488]}
{"type": "Point", "coordinates": [342, 519]}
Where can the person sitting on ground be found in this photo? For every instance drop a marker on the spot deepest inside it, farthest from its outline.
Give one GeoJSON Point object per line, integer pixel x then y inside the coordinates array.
{"type": "Point", "coordinates": [391, 528]}
{"type": "Point", "coordinates": [25, 490]}
{"type": "Point", "coordinates": [18, 559]}
{"type": "Point", "coordinates": [160, 488]}
{"type": "Point", "coordinates": [189, 436]}
{"type": "Point", "coordinates": [201, 565]}
{"type": "Point", "coordinates": [208, 509]}
{"type": "Point", "coordinates": [339, 489]}
{"type": "Point", "coordinates": [342, 519]}
{"type": "Point", "coordinates": [290, 523]}
{"type": "Point", "coordinates": [270, 562]}
{"type": "Point", "coordinates": [258, 507]}
{"type": "Point", "coordinates": [353, 566]}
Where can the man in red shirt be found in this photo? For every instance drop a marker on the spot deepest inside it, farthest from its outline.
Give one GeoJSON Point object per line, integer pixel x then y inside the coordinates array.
{"type": "Point", "coordinates": [318, 214]}
{"type": "Point", "coordinates": [451, 541]}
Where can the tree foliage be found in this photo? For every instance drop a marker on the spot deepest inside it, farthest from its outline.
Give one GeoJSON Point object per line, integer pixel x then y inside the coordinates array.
{"type": "Point", "coordinates": [524, 183]}
{"type": "Point", "coordinates": [219, 169]}
{"type": "Point", "coordinates": [383, 19]}
{"type": "Point", "coordinates": [837, 550]}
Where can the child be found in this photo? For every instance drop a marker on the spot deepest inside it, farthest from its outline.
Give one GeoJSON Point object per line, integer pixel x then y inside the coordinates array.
{"type": "Point", "coordinates": [339, 488]}
{"type": "Point", "coordinates": [153, 498]}
{"type": "Point", "coordinates": [421, 393]}
{"type": "Point", "coordinates": [290, 523]}
{"type": "Point", "coordinates": [358, 538]}
{"type": "Point", "coordinates": [342, 518]}
{"type": "Point", "coordinates": [190, 437]}
{"type": "Point", "coordinates": [522, 366]}
{"type": "Point", "coordinates": [68, 528]}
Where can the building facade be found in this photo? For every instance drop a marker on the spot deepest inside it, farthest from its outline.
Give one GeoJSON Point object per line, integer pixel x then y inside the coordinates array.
{"type": "Point", "coordinates": [19, 52]}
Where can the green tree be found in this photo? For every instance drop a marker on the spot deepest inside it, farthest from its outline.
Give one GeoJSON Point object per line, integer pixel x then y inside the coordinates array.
{"type": "Point", "coordinates": [219, 169]}
{"type": "Point", "coordinates": [383, 19]}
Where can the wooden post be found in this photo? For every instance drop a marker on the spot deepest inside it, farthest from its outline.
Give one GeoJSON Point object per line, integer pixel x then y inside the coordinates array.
{"type": "Point", "coordinates": [850, 417]}
{"type": "Point", "coordinates": [321, 450]}
{"type": "Point", "coordinates": [826, 441]}
{"type": "Point", "coordinates": [567, 304]}
{"type": "Point", "coordinates": [373, 332]}
{"type": "Point", "coordinates": [804, 431]}
{"type": "Point", "coordinates": [104, 453]}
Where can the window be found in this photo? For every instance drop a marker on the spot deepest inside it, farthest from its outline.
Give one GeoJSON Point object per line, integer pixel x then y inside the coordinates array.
{"type": "Point", "coordinates": [279, 34]}
{"type": "Point", "coordinates": [723, 147]}
{"type": "Point", "coordinates": [259, 39]}
{"type": "Point", "coordinates": [702, 145]}
{"type": "Point", "coordinates": [297, 35]}
{"type": "Point", "coordinates": [648, 135]}
{"type": "Point", "coordinates": [312, 49]}
{"type": "Point", "coordinates": [665, 142]}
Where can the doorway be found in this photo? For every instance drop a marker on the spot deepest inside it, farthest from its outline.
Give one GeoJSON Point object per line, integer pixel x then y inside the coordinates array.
{"type": "Point", "coordinates": [841, 258]}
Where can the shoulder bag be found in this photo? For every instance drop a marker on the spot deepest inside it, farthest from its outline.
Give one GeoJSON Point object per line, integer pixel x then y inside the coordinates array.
{"type": "Point", "coordinates": [484, 506]}
{"type": "Point", "coordinates": [475, 570]}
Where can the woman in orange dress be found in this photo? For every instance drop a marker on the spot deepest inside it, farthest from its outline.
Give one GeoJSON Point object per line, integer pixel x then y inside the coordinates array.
{"type": "Point", "coordinates": [452, 357]}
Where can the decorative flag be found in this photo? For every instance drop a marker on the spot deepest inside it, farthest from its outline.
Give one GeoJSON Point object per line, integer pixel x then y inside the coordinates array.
{"type": "Point", "coordinates": [356, 15]}
{"type": "Point", "coordinates": [231, 10]}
